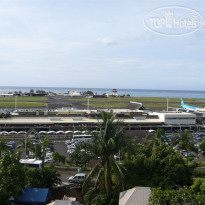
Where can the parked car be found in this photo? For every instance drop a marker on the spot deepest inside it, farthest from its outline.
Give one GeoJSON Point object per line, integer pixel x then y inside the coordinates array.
{"type": "Point", "coordinates": [10, 146]}
{"type": "Point", "coordinates": [116, 157]}
{"type": "Point", "coordinates": [12, 143]}
{"type": "Point", "coordinates": [151, 131]}
{"type": "Point", "coordinates": [177, 147]}
{"type": "Point", "coordinates": [70, 151]}
{"type": "Point", "coordinates": [191, 154]}
{"type": "Point", "coordinates": [48, 160]}
{"type": "Point", "coordinates": [78, 178]}
{"type": "Point", "coordinates": [70, 146]}
{"type": "Point", "coordinates": [183, 153]}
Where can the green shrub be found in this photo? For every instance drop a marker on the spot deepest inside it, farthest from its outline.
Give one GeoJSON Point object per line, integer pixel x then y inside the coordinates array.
{"type": "Point", "coordinates": [191, 159]}
{"type": "Point", "coordinates": [199, 173]}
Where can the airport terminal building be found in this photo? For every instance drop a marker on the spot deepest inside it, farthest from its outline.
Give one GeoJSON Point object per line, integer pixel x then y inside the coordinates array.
{"type": "Point", "coordinates": [71, 119]}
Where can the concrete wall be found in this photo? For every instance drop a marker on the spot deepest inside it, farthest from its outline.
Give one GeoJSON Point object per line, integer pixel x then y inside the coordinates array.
{"type": "Point", "coordinates": [178, 118]}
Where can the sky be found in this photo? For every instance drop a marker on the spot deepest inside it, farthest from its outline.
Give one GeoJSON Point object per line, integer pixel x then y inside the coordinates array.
{"type": "Point", "coordinates": [97, 44]}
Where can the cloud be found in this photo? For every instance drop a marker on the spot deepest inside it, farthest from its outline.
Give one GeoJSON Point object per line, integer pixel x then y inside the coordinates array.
{"type": "Point", "coordinates": [123, 63]}
{"type": "Point", "coordinates": [106, 41]}
{"type": "Point", "coordinates": [172, 64]}
{"type": "Point", "coordinates": [128, 61]}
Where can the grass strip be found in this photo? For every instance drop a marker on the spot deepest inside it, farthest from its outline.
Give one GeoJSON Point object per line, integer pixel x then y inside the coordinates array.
{"type": "Point", "coordinates": [124, 105]}
{"type": "Point", "coordinates": [140, 99]}
{"type": "Point", "coordinates": [22, 104]}
{"type": "Point", "coordinates": [23, 98]}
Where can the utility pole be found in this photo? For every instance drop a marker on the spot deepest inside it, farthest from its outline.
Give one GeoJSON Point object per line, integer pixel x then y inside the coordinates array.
{"type": "Point", "coordinates": [15, 103]}
{"type": "Point", "coordinates": [88, 102]}
{"type": "Point", "coordinates": [25, 145]}
{"type": "Point", "coordinates": [167, 104]}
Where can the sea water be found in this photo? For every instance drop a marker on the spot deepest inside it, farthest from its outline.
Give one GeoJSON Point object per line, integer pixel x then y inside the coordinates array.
{"type": "Point", "coordinates": [131, 92]}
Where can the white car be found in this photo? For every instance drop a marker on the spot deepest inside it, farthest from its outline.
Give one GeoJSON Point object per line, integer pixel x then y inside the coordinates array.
{"type": "Point", "coordinates": [71, 146]}
{"type": "Point", "coordinates": [116, 157]}
{"type": "Point", "coordinates": [78, 178]}
{"type": "Point", "coordinates": [48, 160]}
{"type": "Point", "coordinates": [11, 143]}
{"type": "Point", "coordinates": [151, 131]}
{"type": "Point", "coordinates": [70, 151]}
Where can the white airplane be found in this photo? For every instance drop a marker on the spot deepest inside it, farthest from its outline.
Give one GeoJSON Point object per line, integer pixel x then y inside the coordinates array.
{"type": "Point", "coordinates": [191, 108]}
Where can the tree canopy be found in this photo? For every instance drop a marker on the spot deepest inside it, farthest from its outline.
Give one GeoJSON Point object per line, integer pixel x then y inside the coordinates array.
{"type": "Point", "coordinates": [105, 145]}
{"type": "Point", "coordinates": [47, 177]}
{"type": "Point", "coordinates": [164, 168]}
{"type": "Point", "coordinates": [12, 177]}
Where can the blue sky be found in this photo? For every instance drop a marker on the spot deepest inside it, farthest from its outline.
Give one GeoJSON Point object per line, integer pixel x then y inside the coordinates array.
{"type": "Point", "coordinates": [96, 43]}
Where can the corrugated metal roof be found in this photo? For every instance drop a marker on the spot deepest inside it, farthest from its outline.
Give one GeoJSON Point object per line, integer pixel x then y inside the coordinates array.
{"type": "Point", "coordinates": [61, 202]}
{"type": "Point", "coordinates": [135, 196]}
{"type": "Point", "coordinates": [34, 195]}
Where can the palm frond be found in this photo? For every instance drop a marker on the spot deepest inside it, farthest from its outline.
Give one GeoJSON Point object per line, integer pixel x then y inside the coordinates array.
{"type": "Point", "coordinates": [99, 179]}
{"type": "Point", "coordinates": [111, 144]}
{"type": "Point", "coordinates": [117, 170]}
{"type": "Point", "coordinates": [108, 184]}
{"type": "Point", "coordinates": [90, 176]}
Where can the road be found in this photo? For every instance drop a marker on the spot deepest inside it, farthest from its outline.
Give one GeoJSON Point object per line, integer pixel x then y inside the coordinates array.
{"type": "Point", "coordinates": [61, 148]}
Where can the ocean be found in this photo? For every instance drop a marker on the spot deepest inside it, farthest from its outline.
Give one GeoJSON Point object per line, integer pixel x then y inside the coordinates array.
{"type": "Point", "coordinates": [131, 92]}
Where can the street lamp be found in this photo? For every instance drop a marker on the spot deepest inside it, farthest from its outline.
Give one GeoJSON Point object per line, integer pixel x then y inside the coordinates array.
{"type": "Point", "coordinates": [88, 101]}
{"type": "Point", "coordinates": [25, 144]}
{"type": "Point", "coordinates": [167, 104]}
{"type": "Point", "coordinates": [16, 103]}
{"type": "Point", "coordinates": [180, 127]}
{"type": "Point", "coordinates": [35, 143]}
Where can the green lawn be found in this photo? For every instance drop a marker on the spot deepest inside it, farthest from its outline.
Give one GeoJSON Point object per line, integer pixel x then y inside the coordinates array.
{"type": "Point", "coordinates": [23, 98]}
{"type": "Point", "coordinates": [148, 102]}
{"type": "Point", "coordinates": [125, 104]}
{"type": "Point", "coordinates": [139, 99]}
{"type": "Point", "coordinates": [22, 104]}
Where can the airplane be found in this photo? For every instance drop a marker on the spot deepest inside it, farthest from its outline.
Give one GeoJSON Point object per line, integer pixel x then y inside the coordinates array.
{"type": "Point", "coordinates": [191, 108]}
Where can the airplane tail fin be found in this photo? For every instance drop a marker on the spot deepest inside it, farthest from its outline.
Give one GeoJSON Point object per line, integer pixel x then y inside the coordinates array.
{"type": "Point", "coordinates": [182, 102]}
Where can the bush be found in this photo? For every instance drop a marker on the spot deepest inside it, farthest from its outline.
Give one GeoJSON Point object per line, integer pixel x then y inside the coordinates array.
{"type": "Point", "coordinates": [100, 199]}
{"type": "Point", "coordinates": [89, 196]}
{"type": "Point", "coordinates": [191, 159]}
{"type": "Point", "coordinates": [199, 173]}
{"type": "Point", "coordinates": [182, 196]}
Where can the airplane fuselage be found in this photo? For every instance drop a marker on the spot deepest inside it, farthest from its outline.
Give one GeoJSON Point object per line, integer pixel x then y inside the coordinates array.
{"type": "Point", "coordinates": [191, 108]}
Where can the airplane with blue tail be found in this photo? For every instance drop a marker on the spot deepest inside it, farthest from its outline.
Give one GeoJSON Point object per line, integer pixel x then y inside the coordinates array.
{"type": "Point", "coordinates": [191, 108]}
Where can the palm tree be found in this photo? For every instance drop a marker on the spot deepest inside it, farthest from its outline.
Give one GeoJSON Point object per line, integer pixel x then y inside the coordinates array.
{"type": "Point", "coordinates": [105, 145]}
{"type": "Point", "coordinates": [129, 149]}
{"type": "Point", "coordinates": [43, 147]}
{"type": "Point", "coordinates": [2, 145]}
{"type": "Point", "coordinates": [26, 145]}
{"type": "Point", "coordinates": [44, 178]}
{"type": "Point", "coordinates": [159, 136]}
{"type": "Point", "coordinates": [186, 142]}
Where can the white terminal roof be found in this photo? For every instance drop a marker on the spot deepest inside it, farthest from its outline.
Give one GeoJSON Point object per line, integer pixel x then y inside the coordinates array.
{"type": "Point", "coordinates": [173, 113]}
{"type": "Point", "coordinates": [64, 120]}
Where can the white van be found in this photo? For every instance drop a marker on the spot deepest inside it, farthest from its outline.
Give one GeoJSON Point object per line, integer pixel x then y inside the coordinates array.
{"type": "Point", "coordinates": [78, 178]}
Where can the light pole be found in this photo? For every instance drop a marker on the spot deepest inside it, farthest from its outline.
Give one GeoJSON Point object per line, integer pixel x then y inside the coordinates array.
{"type": "Point", "coordinates": [35, 143]}
{"type": "Point", "coordinates": [167, 104]}
{"type": "Point", "coordinates": [16, 103]}
{"type": "Point", "coordinates": [88, 102]}
{"type": "Point", "coordinates": [25, 144]}
{"type": "Point", "coordinates": [180, 128]}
